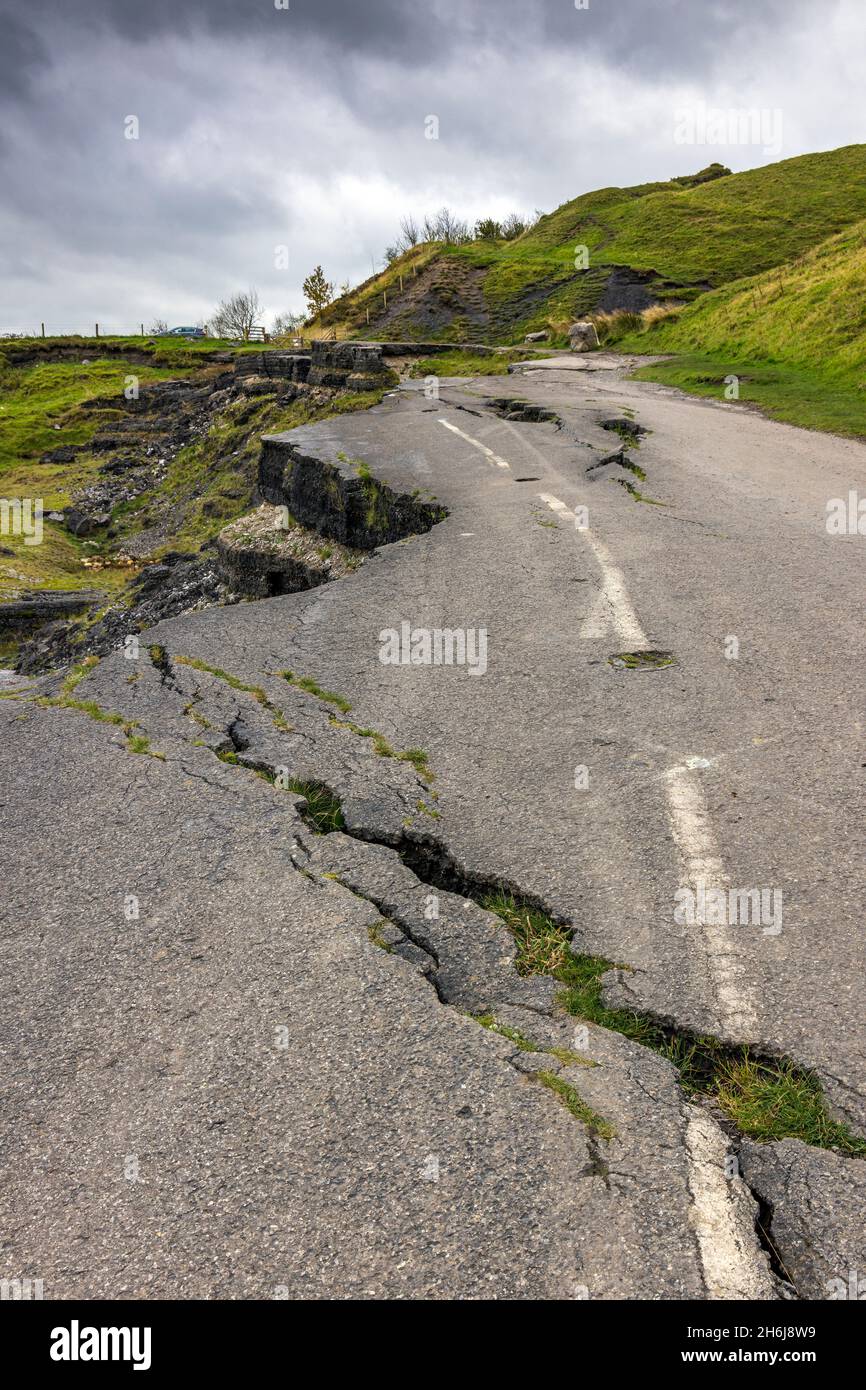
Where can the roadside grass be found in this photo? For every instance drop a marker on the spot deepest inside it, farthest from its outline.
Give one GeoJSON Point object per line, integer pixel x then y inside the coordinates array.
{"type": "Point", "coordinates": [38, 412]}
{"type": "Point", "coordinates": [766, 1098]}
{"type": "Point", "coordinates": [212, 481]}
{"type": "Point", "coordinates": [446, 364]}
{"type": "Point", "coordinates": [795, 337]}
{"type": "Point", "coordinates": [797, 396]}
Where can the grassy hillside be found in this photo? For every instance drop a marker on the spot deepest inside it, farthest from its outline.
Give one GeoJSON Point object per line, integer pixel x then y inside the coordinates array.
{"type": "Point", "coordinates": [673, 241]}
{"type": "Point", "coordinates": [795, 336]}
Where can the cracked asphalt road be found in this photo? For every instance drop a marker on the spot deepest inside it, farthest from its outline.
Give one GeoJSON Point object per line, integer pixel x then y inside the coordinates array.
{"type": "Point", "coordinates": [384, 1145]}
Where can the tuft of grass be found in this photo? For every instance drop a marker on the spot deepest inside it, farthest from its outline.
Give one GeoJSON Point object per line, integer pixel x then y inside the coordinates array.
{"type": "Point", "coordinates": [542, 945]}
{"type": "Point", "coordinates": [323, 810]}
{"type": "Point", "coordinates": [640, 661]}
{"type": "Point", "coordinates": [312, 687]}
{"type": "Point", "coordinates": [576, 1105]}
{"type": "Point", "coordinates": [766, 1098]}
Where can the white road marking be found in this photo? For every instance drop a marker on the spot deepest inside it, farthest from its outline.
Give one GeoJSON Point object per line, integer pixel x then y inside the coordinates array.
{"type": "Point", "coordinates": [476, 444]}
{"type": "Point", "coordinates": [723, 1217]}
{"type": "Point", "coordinates": [612, 610]}
{"type": "Point", "coordinates": [687, 807]}
{"type": "Point", "coordinates": [700, 861]}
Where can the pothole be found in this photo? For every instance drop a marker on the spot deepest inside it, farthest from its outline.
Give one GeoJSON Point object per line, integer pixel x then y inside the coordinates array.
{"type": "Point", "coordinates": [641, 661]}
{"type": "Point", "coordinates": [514, 409]}
{"type": "Point", "coordinates": [628, 430]}
{"type": "Point", "coordinates": [527, 480]}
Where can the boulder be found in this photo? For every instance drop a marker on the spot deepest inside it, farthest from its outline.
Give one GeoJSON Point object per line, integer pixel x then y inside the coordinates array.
{"type": "Point", "coordinates": [541, 337]}
{"type": "Point", "coordinates": [582, 337]}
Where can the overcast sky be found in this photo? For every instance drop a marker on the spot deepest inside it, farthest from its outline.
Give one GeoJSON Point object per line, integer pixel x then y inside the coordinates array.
{"type": "Point", "coordinates": [307, 127]}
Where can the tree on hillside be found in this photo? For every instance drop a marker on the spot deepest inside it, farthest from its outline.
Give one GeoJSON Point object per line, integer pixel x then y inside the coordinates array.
{"type": "Point", "coordinates": [234, 317]}
{"type": "Point", "coordinates": [157, 328]}
{"type": "Point", "coordinates": [409, 233]}
{"type": "Point", "coordinates": [318, 292]}
{"type": "Point", "coordinates": [446, 226]}
{"type": "Point", "coordinates": [513, 226]}
{"type": "Point", "coordinates": [487, 229]}
{"type": "Point", "coordinates": [286, 324]}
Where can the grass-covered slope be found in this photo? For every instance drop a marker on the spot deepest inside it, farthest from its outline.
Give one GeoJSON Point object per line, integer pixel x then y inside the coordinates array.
{"type": "Point", "coordinates": [683, 237]}
{"type": "Point", "coordinates": [795, 337]}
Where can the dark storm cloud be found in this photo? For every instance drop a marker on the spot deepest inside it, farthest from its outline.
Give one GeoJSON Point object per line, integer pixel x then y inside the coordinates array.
{"type": "Point", "coordinates": [669, 36]}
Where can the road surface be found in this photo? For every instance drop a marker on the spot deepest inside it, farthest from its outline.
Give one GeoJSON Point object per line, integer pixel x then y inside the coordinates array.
{"type": "Point", "coordinates": [222, 1085]}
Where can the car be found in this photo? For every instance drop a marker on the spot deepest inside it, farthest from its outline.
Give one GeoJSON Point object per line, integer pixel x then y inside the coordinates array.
{"type": "Point", "coordinates": [186, 333]}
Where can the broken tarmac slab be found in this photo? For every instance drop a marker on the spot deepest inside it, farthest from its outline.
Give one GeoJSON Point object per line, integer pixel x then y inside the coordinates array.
{"type": "Point", "coordinates": [337, 495]}
{"type": "Point", "coordinates": [812, 1208]}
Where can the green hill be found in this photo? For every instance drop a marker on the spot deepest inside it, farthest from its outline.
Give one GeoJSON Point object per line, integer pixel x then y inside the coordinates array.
{"type": "Point", "coordinates": [795, 336]}
{"type": "Point", "coordinates": [651, 243]}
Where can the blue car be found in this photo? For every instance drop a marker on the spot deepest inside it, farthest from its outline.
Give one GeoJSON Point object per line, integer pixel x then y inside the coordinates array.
{"type": "Point", "coordinates": [186, 333]}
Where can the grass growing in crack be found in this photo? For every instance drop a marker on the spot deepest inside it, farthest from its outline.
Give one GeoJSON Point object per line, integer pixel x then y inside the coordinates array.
{"type": "Point", "coordinates": [323, 810]}
{"type": "Point", "coordinates": [416, 756]}
{"type": "Point", "coordinates": [766, 1098]}
{"type": "Point", "coordinates": [311, 687]}
{"type": "Point", "coordinates": [576, 1104]}
{"type": "Point", "coordinates": [542, 945]}
{"type": "Point", "coordinates": [376, 937]}
{"type": "Point", "coordinates": [236, 684]}
{"type": "Point", "coordinates": [641, 661]}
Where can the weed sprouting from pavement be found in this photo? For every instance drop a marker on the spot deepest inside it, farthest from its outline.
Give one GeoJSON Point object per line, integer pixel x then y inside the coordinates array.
{"type": "Point", "coordinates": [311, 687]}
{"type": "Point", "coordinates": [323, 811]}
{"type": "Point", "coordinates": [766, 1098]}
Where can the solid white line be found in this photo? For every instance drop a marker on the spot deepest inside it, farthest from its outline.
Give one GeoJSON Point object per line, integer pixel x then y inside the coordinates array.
{"type": "Point", "coordinates": [612, 610]}
{"type": "Point", "coordinates": [689, 818]}
{"type": "Point", "coordinates": [476, 444]}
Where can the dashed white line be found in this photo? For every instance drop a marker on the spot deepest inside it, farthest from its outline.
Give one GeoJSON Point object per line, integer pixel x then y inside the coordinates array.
{"type": "Point", "coordinates": [612, 610]}
{"type": "Point", "coordinates": [476, 444]}
{"type": "Point", "coordinates": [688, 812]}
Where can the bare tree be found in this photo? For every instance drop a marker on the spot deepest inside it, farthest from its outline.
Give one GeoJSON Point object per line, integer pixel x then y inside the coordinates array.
{"type": "Point", "coordinates": [234, 317]}
{"type": "Point", "coordinates": [157, 328]}
{"type": "Point", "coordinates": [513, 226]}
{"type": "Point", "coordinates": [318, 292]}
{"type": "Point", "coordinates": [286, 324]}
{"type": "Point", "coordinates": [409, 232]}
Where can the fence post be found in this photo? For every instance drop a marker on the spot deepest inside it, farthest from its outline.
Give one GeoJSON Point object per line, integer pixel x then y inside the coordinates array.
{"type": "Point", "coordinates": [141, 326]}
{"type": "Point", "coordinates": [43, 330]}
{"type": "Point", "coordinates": [97, 329]}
